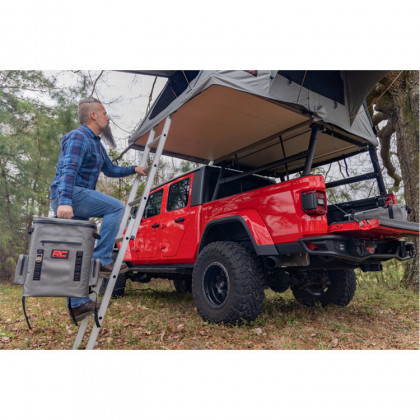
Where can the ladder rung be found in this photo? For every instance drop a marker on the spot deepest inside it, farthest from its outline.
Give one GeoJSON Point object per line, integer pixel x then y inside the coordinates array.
{"type": "Point", "coordinates": [134, 202]}
{"type": "Point", "coordinates": [124, 237]}
{"type": "Point", "coordinates": [153, 142]}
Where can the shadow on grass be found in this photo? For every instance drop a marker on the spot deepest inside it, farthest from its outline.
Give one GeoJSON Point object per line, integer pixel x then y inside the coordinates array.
{"type": "Point", "coordinates": [157, 294]}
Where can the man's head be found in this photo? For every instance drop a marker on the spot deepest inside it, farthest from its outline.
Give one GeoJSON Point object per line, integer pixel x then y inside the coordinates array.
{"type": "Point", "coordinates": [92, 114]}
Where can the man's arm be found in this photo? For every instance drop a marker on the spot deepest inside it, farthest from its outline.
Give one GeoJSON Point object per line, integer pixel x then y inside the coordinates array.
{"type": "Point", "coordinates": [114, 171]}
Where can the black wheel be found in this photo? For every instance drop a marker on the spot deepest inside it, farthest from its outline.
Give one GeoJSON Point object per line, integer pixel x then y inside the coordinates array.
{"type": "Point", "coordinates": [278, 280]}
{"type": "Point", "coordinates": [227, 284]}
{"type": "Point", "coordinates": [119, 288]}
{"type": "Point", "coordinates": [183, 284]}
{"type": "Point", "coordinates": [335, 287]}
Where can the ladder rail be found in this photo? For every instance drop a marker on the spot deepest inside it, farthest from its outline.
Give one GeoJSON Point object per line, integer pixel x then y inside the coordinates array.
{"type": "Point", "coordinates": [130, 230]}
{"type": "Point", "coordinates": [81, 333]}
{"type": "Point", "coordinates": [134, 188]}
{"type": "Point", "coordinates": [85, 321]}
{"type": "Point", "coordinates": [150, 179]}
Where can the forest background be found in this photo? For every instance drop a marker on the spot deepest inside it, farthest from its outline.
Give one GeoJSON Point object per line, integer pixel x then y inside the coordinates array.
{"type": "Point", "coordinates": [37, 108]}
{"type": "Point", "coordinates": [204, 384]}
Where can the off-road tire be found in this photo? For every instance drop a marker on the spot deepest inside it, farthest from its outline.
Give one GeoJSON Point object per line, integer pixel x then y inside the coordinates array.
{"type": "Point", "coordinates": [119, 288]}
{"type": "Point", "coordinates": [183, 284]}
{"type": "Point", "coordinates": [339, 291]}
{"type": "Point", "coordinates": [228, 284]}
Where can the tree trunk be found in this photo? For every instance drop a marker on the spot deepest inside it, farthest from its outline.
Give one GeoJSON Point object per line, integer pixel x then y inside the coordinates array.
{"type": "Point", "coordinates": [9, 209]}
{"type": "Point", "coordinates": [405, 94]}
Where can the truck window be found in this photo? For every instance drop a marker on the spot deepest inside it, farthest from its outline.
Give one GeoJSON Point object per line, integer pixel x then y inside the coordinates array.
{"type": "Point", "coordinates": [178, 195]}
{"type": "Point", "coordinates": [153, 204]}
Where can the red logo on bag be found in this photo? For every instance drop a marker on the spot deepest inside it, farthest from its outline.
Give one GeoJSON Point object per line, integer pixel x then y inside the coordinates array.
{"type": "Point", "coordinates": [58, 253]}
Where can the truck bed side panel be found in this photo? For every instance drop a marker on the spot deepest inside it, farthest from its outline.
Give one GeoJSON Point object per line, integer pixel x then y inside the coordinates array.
{"type": "Point", "coordinates": [280, 208]}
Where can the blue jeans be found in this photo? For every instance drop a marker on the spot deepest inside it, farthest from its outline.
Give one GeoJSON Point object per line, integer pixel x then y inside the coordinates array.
{"type": "Point", "coordinates": [91, 203]}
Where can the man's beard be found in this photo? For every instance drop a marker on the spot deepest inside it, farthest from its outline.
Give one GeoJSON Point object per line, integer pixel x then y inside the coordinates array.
{"type": "Point", "coordinates": [108, 137]}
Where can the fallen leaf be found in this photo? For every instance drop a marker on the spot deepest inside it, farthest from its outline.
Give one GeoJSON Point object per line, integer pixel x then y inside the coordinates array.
{"type": "Point", "coordinates": [258, 331]}
{"type": "Point", "coordinates": [334, 343]}
{"type": "Point", "coordinates": [180, 327]}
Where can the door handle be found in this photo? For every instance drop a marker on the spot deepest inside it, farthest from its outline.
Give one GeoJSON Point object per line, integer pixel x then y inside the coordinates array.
{"type": "Point", "coordinates": [180, 219]}
{"type": "Point", "coordinates": [156, 225]}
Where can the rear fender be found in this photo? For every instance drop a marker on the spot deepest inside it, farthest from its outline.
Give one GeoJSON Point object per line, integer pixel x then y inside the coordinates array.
{"type": "Point", "coordinates": [243, 226]}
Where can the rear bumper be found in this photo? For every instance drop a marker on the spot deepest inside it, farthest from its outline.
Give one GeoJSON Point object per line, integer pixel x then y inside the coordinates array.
{"type": "Point", "coordinates": [351, 250]}
{"type": "Point", "coordinates": [375, 228]}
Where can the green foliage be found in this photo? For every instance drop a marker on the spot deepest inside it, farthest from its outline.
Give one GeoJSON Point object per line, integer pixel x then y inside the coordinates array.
{"type": "Point", "coordinates": [30, 134]}
{"type": "Point", "coordinates": [34, 116]}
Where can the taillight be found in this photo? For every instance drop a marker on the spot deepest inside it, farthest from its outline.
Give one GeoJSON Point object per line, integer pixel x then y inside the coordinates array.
{"type": "Point", "coordinates": [314, 202]}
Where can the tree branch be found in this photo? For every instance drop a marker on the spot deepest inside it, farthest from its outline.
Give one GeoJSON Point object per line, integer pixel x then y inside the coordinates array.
{"type": "Point", "coordinates": [96, 81]}
{"type": "Point", "coordinates": [151, 95]}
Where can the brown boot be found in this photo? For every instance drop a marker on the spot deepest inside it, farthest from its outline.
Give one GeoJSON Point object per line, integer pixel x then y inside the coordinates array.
{"type": "Point", "coordinates": [106, 270]}
{"type": "Point", "coordinates": [84, 310]}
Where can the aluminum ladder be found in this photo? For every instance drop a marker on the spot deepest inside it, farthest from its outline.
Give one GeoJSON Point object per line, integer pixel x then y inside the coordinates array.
{"type": "Point", "coordinates": [130, 232]}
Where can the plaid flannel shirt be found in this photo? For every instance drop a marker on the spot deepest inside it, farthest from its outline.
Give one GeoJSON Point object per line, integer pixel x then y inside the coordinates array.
{"type": "Point", "coordinates": [81, 160]}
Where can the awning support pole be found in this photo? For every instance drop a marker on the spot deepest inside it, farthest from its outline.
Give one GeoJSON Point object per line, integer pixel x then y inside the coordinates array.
{"type": "Point", "coordinates": [377, 169]}
{"type": "Point", "coordinates": [311, 150]}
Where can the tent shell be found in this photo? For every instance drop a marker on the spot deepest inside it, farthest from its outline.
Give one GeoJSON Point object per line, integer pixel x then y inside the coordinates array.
{"type": "Point", "coordinates": [248, 121]}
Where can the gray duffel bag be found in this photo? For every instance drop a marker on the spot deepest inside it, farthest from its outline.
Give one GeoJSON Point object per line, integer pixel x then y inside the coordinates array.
{"type": "Point", "coordinates": [60, 261]}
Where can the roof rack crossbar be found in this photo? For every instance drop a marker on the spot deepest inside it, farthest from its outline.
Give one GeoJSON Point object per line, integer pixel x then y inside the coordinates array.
{"type": "Point", "coordinates": [298, 156]}
{"type": "Point", "coordinates": [370, 175]}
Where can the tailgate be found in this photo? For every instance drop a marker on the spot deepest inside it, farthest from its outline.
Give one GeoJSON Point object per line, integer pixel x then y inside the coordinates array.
{"type": "Point", "coordinates": [380, 228]}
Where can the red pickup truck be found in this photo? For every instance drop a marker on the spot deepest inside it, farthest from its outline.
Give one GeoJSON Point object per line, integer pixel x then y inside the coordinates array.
{"type": "Point", "coordinates": [255, 215]}
{"type": "Point", "coordinates": [228, 235]}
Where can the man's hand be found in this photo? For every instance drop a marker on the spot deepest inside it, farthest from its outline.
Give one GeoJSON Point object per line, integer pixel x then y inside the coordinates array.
{"type": "Point", "coordinates": [65, 212]}
{"type": "Point", "coordinates": [141, 170]}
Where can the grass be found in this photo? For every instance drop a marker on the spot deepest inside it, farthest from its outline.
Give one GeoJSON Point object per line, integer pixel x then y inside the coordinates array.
{"type": "Point", "coordinates": [382, 315]}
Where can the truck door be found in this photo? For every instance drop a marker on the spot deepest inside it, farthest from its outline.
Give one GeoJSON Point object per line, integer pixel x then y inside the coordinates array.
{"type": "Point", "coordinates": [176, 217]}
{"type": "Point", "coordinates": [147, 240]}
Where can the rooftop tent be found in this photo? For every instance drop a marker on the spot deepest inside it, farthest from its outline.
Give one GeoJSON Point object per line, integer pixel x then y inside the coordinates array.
{"type": "Point", "coordinates": [250, 119]}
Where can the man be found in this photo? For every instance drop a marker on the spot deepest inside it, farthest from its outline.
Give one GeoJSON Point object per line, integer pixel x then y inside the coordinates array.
{"type": "Point", "coordinates": [73, 193]}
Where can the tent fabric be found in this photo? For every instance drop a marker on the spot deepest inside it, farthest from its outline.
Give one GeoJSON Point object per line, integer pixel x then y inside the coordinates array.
{"type": "Point", "coordinates": [334, 98]}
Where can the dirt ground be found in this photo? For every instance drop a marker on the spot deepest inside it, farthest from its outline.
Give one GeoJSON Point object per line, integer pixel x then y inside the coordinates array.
{"type": "Point", "coordinates": [155, 316]}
